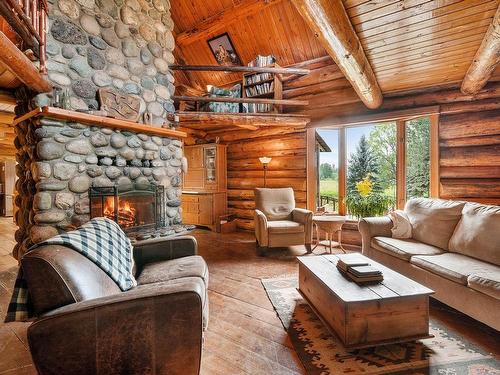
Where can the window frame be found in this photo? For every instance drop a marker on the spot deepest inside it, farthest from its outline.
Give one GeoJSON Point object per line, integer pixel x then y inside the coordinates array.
{"type": "Point", "coordinates": [312, 165]}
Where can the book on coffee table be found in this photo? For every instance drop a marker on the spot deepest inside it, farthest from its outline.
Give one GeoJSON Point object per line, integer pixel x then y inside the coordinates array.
{"type": "Point", "coordinates": [364, 271]}
{"type": "Point", "coordinates": [353, 260]}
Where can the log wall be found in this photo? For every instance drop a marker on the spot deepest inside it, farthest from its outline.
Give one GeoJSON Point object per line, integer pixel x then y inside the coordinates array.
{"type": "Point", "coordinates": [244, 171]}
{"type": "Point", "coordinates": [470, 156]}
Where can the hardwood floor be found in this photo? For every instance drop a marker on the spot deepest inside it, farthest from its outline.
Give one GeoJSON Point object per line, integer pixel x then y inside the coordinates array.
{"type": "Point", "coordinates": [244, 334]}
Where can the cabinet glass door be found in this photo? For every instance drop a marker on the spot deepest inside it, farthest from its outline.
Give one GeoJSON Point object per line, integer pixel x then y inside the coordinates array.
{"type": "Point", "coordinates": [210, 165]}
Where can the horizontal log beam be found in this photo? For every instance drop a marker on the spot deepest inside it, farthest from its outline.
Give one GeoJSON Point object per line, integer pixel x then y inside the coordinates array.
{"type": "Point", "coordinates": [205, 99]}
{"type": "Point", "coordinates": [249, 69]}
{"type": "Point", "coordinates": [21, 66]}
{"type": "Point", "coordinates": [486, 59]}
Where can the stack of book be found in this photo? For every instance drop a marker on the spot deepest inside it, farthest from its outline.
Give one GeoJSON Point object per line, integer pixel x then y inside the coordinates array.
{"type": "Point", "coordinates": [262, 61]}
{"type": "Point", "coordinates": [359, 270]}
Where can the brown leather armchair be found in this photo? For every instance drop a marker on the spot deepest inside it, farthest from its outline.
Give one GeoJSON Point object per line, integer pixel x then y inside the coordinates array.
{"type": "Point", "coordinates": [86, 325]}
{"type": "Point", "coordinates": [278, 223]}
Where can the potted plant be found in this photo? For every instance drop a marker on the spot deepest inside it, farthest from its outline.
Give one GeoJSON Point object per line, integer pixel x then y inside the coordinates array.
{"type": "Point", "coordinates": [365, 202]}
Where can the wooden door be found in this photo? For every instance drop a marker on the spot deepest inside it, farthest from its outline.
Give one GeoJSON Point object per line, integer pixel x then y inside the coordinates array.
{"type": "Point", "coordinates": [206, 210]}
{"type": "Point", "coordinates": [194, 177]}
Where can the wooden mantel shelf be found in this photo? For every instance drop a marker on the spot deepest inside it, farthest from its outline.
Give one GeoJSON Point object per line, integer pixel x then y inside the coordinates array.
{"type": "Point", "coordinates": [107, 122]}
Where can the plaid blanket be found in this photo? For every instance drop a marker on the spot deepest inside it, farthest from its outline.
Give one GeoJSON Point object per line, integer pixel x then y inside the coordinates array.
{"type": "Point", "coordinates": [102, 241]}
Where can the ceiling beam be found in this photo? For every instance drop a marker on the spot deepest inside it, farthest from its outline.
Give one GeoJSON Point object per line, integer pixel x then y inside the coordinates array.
{"type": "Point", "coordinates": [220, 21]}
{"type": "Point", "coordinates": [330, 23]}
{"type": "Point", "coordinates": [486, 59]}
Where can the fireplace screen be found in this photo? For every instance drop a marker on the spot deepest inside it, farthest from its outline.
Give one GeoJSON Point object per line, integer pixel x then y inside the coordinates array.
{"type": "Point", "coordinates": [132, 206]}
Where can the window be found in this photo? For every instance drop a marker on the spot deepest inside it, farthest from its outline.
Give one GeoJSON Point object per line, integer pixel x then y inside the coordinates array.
{"type": "Point", "coordinates": [327, 141]}
{"type": "Point", "coordinates": [380, 166]}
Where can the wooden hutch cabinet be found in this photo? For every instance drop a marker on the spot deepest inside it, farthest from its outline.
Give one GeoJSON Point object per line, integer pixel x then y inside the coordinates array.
{"type": "Point", "coordinates": [204, 195]}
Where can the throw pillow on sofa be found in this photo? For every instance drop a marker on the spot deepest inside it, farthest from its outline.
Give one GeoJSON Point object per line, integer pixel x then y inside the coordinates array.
{"type": "Point", "coordinates": [433, 221]}
{"type": "Point", "coordinates": [478, 233]}
{"type": "Point", "coordinates": [401, 226]}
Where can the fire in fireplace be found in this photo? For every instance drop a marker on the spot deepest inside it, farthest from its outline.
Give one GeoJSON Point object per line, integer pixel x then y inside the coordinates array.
{"type": "Point", "coordinates": [135, 207]}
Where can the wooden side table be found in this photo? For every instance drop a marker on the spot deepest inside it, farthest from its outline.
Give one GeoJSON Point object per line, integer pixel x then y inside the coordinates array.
{"type": "Point", "coordinates": [331, 224]}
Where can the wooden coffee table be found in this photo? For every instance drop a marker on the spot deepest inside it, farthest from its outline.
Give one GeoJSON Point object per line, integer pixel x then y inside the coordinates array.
{"type": "Point", "coordinates": [396, 310]}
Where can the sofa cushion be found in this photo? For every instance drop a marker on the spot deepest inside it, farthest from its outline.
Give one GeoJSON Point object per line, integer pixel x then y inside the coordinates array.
{"type": "Point", "coordinates": [403, 248]}
{"type": "Point", "coordinates": [276, 204]}
{"type": "Point", "coordinates": [455, 267]}
{"type": "Point", "coordinates": [285, 226]}
{"type": "Point", "coordinates": [433, 220]}
{"type": "Point", "coordinates": [191, 266]}
{"type": "Point", "coordinates": [478, 233]}
{"type": "Point", "coordinates": [487, 283]}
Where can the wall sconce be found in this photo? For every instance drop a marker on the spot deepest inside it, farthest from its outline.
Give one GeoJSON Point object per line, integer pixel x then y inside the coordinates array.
{"type": "Point", "coordinates": [265, 162]}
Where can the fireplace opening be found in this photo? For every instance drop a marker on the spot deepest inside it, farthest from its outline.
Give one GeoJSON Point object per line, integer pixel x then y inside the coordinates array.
{"type": "Point", "coordinates": [135, 207]}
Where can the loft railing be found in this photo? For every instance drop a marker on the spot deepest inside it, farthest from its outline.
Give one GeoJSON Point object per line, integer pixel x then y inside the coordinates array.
{"type": "Point", "coordinates": [28, 18]}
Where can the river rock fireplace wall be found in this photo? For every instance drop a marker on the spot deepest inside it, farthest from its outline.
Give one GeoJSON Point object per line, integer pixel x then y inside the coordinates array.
{"type": "Point", "coordinates": [119, 45]}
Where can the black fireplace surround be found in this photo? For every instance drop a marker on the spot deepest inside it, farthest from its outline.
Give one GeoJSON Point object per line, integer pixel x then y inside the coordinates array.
{"type": "Point", "coordinates": [135, 207]}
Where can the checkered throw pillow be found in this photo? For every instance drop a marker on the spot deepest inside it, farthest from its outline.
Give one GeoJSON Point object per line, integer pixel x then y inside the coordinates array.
{"type": "Point", "coordinates": [100, 240]}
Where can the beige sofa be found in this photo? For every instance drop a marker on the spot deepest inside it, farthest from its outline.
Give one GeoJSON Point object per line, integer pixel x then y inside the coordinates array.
{"type": "Point", "coordinates": [278, 223]}
{"type": "Point", "coordinates": [454, 249]}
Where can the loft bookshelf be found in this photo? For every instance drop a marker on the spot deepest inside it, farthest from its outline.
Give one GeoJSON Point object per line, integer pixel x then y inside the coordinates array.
{"type": "Point", "coordinates": [263, 85]}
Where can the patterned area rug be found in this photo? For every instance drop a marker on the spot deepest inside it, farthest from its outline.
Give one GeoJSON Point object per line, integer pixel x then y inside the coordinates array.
{"type": "Point", "coordinates": [322, 353]}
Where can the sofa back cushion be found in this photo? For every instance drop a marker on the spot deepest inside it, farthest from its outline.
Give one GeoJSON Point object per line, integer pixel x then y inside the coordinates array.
{"type": "Point", "coordinates": [478, 233]}
{"type": "Point", "coordinates": [57, 276]}
{"type": "Point", "coordinates": [433, 220]}
{"type": "Point", "coordinates": [276, 204]}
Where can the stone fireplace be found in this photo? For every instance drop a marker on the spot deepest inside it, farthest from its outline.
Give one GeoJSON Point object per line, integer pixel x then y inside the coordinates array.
{"type": "Point", "coordinates": [123, 45]}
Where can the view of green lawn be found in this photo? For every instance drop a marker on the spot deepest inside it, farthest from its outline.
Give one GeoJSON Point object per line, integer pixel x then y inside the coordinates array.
{"type": "Point", "coordinates": [329, 187]}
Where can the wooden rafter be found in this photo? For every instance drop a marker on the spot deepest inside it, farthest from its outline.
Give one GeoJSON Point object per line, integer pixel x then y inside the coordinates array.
{"type": "Point", "coordinates": [331, 24]}
{"type": "Point", "coordinates": [486, 59]}
{"type": "Point", "coordinates": [219, 21]}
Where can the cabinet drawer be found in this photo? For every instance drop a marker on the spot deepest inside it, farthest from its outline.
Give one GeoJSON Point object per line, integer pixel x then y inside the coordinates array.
{"type": "Point", "coordinates": [190, 198]}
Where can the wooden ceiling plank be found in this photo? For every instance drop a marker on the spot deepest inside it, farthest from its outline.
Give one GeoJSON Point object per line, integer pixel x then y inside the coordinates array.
{"type": "Point", "coordinates": [331, 23]}
{"type": "Point", "coordinates": [434, 14]}
{"type": "Point", "coordinates": [486, 59]}
{"type": "Point", "coordinates": [433, 38]}
{"type": "Point", "coordinates": [433, 28]}
{"type": "Point", "coordinates": [441, 63]}
{"type": "Point", "coordinates": [478, 11]}
{"type": "Point", "coordinates": [435, 50]}
{"type": "Point", "coordinates": [221, 20]}
{"type": "Point", "coordinates": [355, 8]}
{"type": "Point", "coordinates": [423, 59]}
{"type": "Point", "coordinates": [394, 11]}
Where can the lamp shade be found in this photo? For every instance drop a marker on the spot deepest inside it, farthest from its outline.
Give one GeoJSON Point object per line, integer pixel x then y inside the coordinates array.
{"type": "Point", "coordinates": [265, 160]}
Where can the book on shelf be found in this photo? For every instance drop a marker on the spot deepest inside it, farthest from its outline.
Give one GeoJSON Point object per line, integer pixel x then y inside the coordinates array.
{"type": "Point", "coordinates": [257, 108]}
{"type": "Point", "coordinates": [261, 61]}
{"type": "Point", "coordinates": [264, 88]}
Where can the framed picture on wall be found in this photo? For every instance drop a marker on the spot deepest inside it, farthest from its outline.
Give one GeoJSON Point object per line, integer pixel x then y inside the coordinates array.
{"type": "Point", "coordinates": [224, 51]}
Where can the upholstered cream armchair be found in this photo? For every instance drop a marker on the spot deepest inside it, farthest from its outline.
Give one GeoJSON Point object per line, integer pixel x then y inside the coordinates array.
{"type": "Point", "coordinates": [278, 223]}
